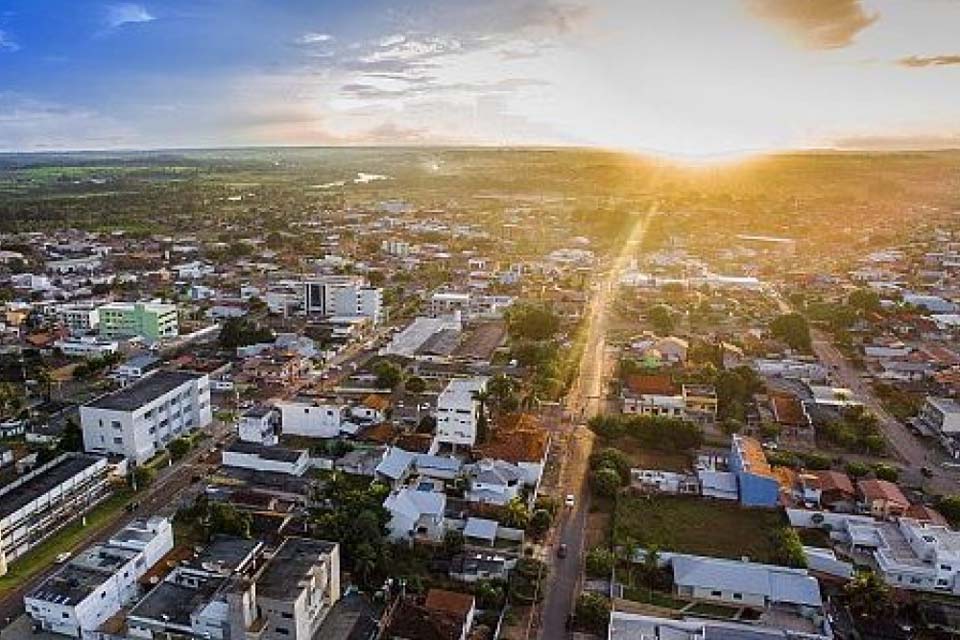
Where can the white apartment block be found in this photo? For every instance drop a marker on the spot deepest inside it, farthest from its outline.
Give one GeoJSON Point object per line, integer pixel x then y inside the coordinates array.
{"type": "Point", "coordinates": [79, 318]}
{"type": "Point", "coordinates": [311, 419]}
{"type": "Point", "coordinates": [343, 296]}
{"type": "Point", "coordinates": [260, 425]}
{"type": "Point", "coordinates": [39, 503]}
{"type": "Point", "coordinates": [86, 346]}
{"type": "Point", "coordinates": [918, 557]}
{"type": "Point", "coordinates": [95, 585]}
{"type": "Point", "coordinates": [141, 419]}
{"type": "Point", "coordinates": [458, 411]}
{"type": "Point", "coordinates": [468, 305]}
{"type": "Point", "coordinates": [941, 414]}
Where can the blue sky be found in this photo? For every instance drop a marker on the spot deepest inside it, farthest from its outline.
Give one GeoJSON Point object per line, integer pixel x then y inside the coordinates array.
{"type": "Point", "coordinates": [682, 77]}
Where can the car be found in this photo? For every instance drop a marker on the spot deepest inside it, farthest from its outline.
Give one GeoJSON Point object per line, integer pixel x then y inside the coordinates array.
{"type": "Point", "coordinates": [562, 551]}
{"type": "Point", "coordinates": [927, 472]}
{"type": "Point", "coordinates": [569, 500]}
{"type": "Point", "coordinates": [62, 557]}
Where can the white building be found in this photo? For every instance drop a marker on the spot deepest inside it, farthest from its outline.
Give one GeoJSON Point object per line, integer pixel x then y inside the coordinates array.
{"type": "Point", "coordinates": [941, 414]}
{"type": "Point", "coordinates": [39, 503]}
{"type": "Point", "coordinates": [312, 419]}
{"type": "Point", "coordinates": [79, 318]}
{"type": "Point", "coordinates": [458, 411]}
{"type": "Point", "coordinates": [342, 296]}
{"type": "Point", "coordinates": [493, 481]}
{"type": "Point", "coordinates": [142, 418]}
{"type": "Point", "coordinates": [96, 584]}
{"type": "Point", "coordinates": [416, 514]}
{"type": "Point", "coordinates": [86, 346]}
{"type": "Point", "coordinates": [248, 455]}
{"type": "Point", "coordinates": [260, 425]}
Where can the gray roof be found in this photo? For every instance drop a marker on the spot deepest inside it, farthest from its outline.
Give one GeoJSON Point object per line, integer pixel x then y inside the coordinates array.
{"type": "Point", "coordinates": [779, 584]}
{"type": "Point", "coordinates": [14, 498]}
{"type": "Point", "coordinates": [173, 603]}
{"type": "Point", "coordinates": [293, 561]}
{"type": "Point", "coordinates": [481, 528]}
{"type": "Point", "coordinates": [279, 454]}
{"type": "Point", "coordinates": [143, 391]}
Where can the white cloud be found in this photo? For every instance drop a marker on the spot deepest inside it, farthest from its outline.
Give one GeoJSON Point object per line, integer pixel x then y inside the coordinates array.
{"type": "Point", "coordinates": [127, 13]}
{"type": "Point", "coordinates": [314, 37]}
{"type": "Point", "coordinates": [7, 43]}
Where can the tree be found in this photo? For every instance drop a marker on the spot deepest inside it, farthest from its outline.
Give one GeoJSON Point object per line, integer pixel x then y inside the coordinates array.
{"type": "Point", "coordinates": [949, 507]}
{"type": "Point", "coordinates": [179, 448]}
{"type": "Point", "coordinates": [613, 459]}
{"type": "Point", "coordinates": [490, 594]}
{"type": "Point", "coordinates": [71, 439]}
{"type": "Point", "coordinates": [593, 612]}
{"type": "Point", "coordinates": [532, 322]}
{"type": "Point", "coordinates": [606, 482]}
{"type": "Point", "coordinates": [142, 477]}
{"type": "Point", "coordinates": [415, 384]}
{"type": "Point", "coordinates": [502, 391]}
{"type": "Point", "coordinates": [789, 548]}
{"type": "Point", "coordinates": [857, 469]}
{"type": "Point", "coordinates": [868, 595]}
{"type": "Point", "coordinates": [388, 374]}
{"type": "Point", "coordinates": [453, 541]}
{"type": "Point", "coordinates": [886, 472]}
{"type": "Point", "coordinates": [516, 514]}
{"type": "Point", "coordinates": [864, 300]}
{"type": "Point", "coordinates": [540, 523]}
{"type": "Point", "coordinates": [792, 329]}
{"type": "Point", "coordinates": [240, 332]}
{"type": "Point", "coordinates": [661, 318]}
{"type": "Point", "coordinates": [599, 562]}
{"type": "Point", "coordinates": [225, 519]}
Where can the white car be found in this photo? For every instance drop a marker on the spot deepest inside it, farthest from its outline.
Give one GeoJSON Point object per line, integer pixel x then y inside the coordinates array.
{"type": "Point", "coordinates": [62, 557]}
{"type": "Point", "coordinates": [569, 500]}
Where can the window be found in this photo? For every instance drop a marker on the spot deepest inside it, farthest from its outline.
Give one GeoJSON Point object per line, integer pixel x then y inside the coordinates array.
{"type": "Point", "coordinates": [716, 594]}
{"type": "Point", "coordinates": [738, 596]}
{"type": "Point", "coordinates": [65, 615]}
{"type": "Point", "coordinates": [282, 631]}
{"type": "Point", "coordinates": [286, 614]}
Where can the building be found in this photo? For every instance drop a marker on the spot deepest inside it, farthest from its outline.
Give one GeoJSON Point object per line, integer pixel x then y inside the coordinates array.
{"type": "Point", "coordinates": [756, 482]}
{"type": "Point", "coordinates": [39, 503]}
{"type": "Point", "coordinates": [458, 412]}
{"type": "Point", "coordinates": [151, 320]}
{"type": "Point", "coordinates": [700, 403]}
{"type": "Point", "coordinates": [744, 583]}
{"type": "Point", "coordinates": [136, 367]}
{"type": "Point", "coordinates": [98, 582]}
{"type": "Point", "coordinates": [635, 626]}
{"type": "Point", "coordinates": [86, 346]}
{"type": "Point", "coordinates": [313, 420]}
{"type": "Point", "coordinates": [342, 296]}
{"type": "Point", "coordinates": [259, 424]}
{"type": "Point", "coordinates": [142, 418]}
{"type": "Point", "coordinates": [79, 319]}
{"type": "Point", "coordinates": [836, 491]}
{"type": "Point", "coordinates": [249, 455]}
{"type": "Point", "coordinates": [882, 499]}
{"type": "Point", "coordinates": [416, 514]}
{"type": "Point", "coordinates": [942, 415]}
{"type": "Point", "coordinates": [651, 395]}
{"type": "Point", "coordinates": [493, 481]}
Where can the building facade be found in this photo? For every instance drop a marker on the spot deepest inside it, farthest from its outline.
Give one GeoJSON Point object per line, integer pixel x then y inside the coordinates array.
{"type": "Point", "coordinates": [458, 411]}
{"type": "Point", "coordinates": [151, 320]}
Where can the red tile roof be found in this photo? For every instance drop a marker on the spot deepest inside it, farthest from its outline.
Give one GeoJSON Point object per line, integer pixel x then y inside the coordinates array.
{"type": "Point", "coordinates": [882, 490]}
{"type": "Point", "coordinates": [835, 481]}
{"type": "Point", "coordinates": [661, 385]}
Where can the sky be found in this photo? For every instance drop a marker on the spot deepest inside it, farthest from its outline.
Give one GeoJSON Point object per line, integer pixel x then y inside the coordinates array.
{"type": "Point", "coordinates": [691, 78]}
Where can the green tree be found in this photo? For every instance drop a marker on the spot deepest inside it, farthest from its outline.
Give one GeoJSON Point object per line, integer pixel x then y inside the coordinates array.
{"type": "Point", "coordinates": [857, 469]}
{"type": "Point", "coordinates": [661, 318]}
{"type": "Point", "coordinates": [949, 507]}
{"type": "Point", "coordinates": [592, 612]}
{"type": "Point", "coordinates": [886, 472]}
{"type": "Point", "coordinates": [179, 448]}
{"type": "Point", "coordinates": [516, 514]}
{"type": "Point", "coordinates": [415, 384]}
{"type": "Point", "coordinates": [864, 300]}
{"type": "Point", "coordinates": [453, 541]}
{"type": "Point", "coordinates": [532, 322]}
{"type": "Point", "coordinates": [540, 523]}
{"type": "Point", "coordinates": [792, 329]}
{"type": "Point", "coordinates": [606, 482]}
{"type": "Point", "coordinates": [388, 374]}
{"type": "Point", "coordinates": [599, 562]}
{"type": "Point", "coordinates": [868, 595]}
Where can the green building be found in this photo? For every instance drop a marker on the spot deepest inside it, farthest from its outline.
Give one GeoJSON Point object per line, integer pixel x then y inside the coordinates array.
{"type": "Point", "coordinates": [151, 320]}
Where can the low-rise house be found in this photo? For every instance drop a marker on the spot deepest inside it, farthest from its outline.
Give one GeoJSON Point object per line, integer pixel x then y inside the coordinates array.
{"type": "Point", "coordinates": [473, 567]}
{"type": "Point", "coordinates": [651, 395]}
{"type": "Point", "coordinates": [86, 346]}
{"type": "Point", "coordinates": [493, 481]}
{"type": "Point", "coordinates": [416, 514]}
{"type": "Point", "coordinates": [882, 499]}
{"type": "Point", "coordinates": [249, 455]}
{"type": "Point", "coordinates": [312, 419]}
{"type": "Point", "coordinates": [941, 415]}
{"type": "Point", "coordinates": [699, 403]}
{"type": "Point", "coordinates": [521, 439]}
{"type": "Point", "coordinates": [837, 492]}
{"type": "Point", "coordinates": [671, 482]}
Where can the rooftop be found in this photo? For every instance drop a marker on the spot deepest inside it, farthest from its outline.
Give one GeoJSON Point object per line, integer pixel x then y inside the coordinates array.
{"type": "Point", "coordinates": [143, 391]}
{"type": "Point", "coordinates": [14, 497]}
{"type": "Point", "coordinates": [293, 562]}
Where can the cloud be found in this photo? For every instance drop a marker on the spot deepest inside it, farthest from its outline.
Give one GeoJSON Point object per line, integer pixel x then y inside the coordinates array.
{"type": "Point", "coordinates": [907, 142]}
{"type": "Point", "coordinates": [816, 24]}
{"type": "Point", "coordinates": [314, 37]}
{"type": "Point", "coordinates": [29, 124]}
{"type": "Point", "coordinates": [916, 62]}
{"type": "Point", "coordinates": [123, 13]}
{"type": "Point", "coordinates": [7, 43]}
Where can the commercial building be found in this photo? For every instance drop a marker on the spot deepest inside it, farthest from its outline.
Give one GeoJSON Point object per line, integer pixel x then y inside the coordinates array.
{"type": "Point", "coordinates": [458, 411]}
{"type": "Point", "coordinates": [86, 346]}
{"type": "Point", "coordinates": [342, 296]}
{"type": "Point", "coordinates": [141, 419]}
{"type": "Point", "coordinates": [151, 320]}
{"type": "Point", "coordinates": [39, 503]}
{"type": "Point", "coordinates": [96, 584]}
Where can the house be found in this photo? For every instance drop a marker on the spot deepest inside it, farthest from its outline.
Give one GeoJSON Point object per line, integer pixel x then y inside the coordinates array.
{"type": "Point", "coordinates": [635, 626]}
{"type": "Point", "coordinates": [473, 567]}
{"type": "Point", "coordinates": [882, 499]}
{"type": "Point", "coordinates": [86, 346]}
{"type": "Point", "coordinates": [837, 492]}
{"type": "Point", "coordinates": [312, 419]}
{"type": "Point", "coordinates": [744, 583]}
{"type": "Point", "coordinates": [699, 403]}
{"type": "Point", "coordinates": [250, 455]}
{"type": "Point", "coordinates": [416, 514]}
{"type": "Point", "coordinates": [457, 606]}
{"type": "Point", "coordinates": [657, 481]}
{"type": "Point", "coordinates": [521, 439]}
{"type": "Point", "coordinates": [756, 482]}
{"type": "Point", "coordinates": [941, 415]}
{"type": "Point", "coordinates": [260, 424]}
{"type": "Point", "coordinates": [443, 615]}
{"type": "Point", "coordinates": [651, 395]}
{"type": "Point", "coordinates": [926, 515]}
{"type": "Point", "coordinates": [399, 465]}
{"type": "Point", "coordinates": [142, 418]}
{"type": "Point", "coordinates": [458, 412]}
{"type": "Point", "coordinates": [98, 582]}
{"type": "Point", "coordinates": [493, 481]}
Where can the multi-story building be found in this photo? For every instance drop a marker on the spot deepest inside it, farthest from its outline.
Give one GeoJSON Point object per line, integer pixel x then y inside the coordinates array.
{"type": "Point", "coordinates": [233, 591]}
{"type": "Point", "coordinates": [756, 482]}
{"type": "Point", "coordinates": [941, 414]}
{"type": "Point", "coordinates": [142, 418]}
{"type": "Point", "coordinates": [79, 318]}
{"type": "Point", "coordinates": [151, 320]}
{"type": "Point", "coordinates": [700, 403]}
{"type": "Point", "coordinates": [458, 411]}
{"type": "Point", "coordinates": [86, 346]}
{"type": "Point", "coordinates": [39, 503]}
{"type": "Point", "coordinates": [95, 585]}
{"type": "Point", "coordinates": [259, 424]}
{"type": "Point", "coordinates": [343, 296]}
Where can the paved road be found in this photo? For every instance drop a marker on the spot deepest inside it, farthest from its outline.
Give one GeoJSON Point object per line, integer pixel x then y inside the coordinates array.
{"type": "Point", "coordinates": [911, 450]}
{"type": "Point", "coordinates": [161, 498]}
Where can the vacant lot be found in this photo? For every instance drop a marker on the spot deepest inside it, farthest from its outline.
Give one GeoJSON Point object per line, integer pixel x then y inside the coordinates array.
{"type": "Point", "coordinates": [692, 525]}
{"type": "Point", "coordinates": [645, 458]}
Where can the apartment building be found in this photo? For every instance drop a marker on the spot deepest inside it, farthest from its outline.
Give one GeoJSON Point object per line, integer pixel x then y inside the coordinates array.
{"type": "Point", "coordinates": [233, 591]}
{"type": "Point", "coordinates": [39, 503]}
{"type": "Point", "coordinates": [97, 583]}
{"type": "Point", "coordinates": [313, 420]}
{"type": "Point", "coordinates": [942, 415]}
{"type": "Point", "coordinates": [458, 411]}
{"type": "Point", "coordinates": [343, 296]}
{"type": "Point", "coordinates": [259, 424]}
{"type": "Point", "coordinates": [151, 320]}
{"type": "Point", "coordinates": [142, 418]}
{"type": "Point", "coordinates": [86, 346]}
{"type": "Point", "coordinates": [79, 319]}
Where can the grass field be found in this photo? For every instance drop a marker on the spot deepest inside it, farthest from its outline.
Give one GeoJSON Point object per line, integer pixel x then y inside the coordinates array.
{"type": "Point", "coordinates": [43, 556]}
{"type": "Point", "coordinates": [702, 527]}
{"type": "Point", "coordinates": [645, 458]}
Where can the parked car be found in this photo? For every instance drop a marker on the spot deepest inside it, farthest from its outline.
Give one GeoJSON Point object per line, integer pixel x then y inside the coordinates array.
{"type": "Point", "coordinates": [562, 551]}
{"type": "Point", "coordinates": [570, 500]}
